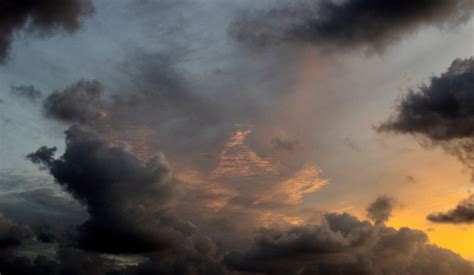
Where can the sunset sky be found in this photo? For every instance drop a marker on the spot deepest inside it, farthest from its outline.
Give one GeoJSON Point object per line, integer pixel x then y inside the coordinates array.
{"type": "Point", "coordinates": [236, 137]}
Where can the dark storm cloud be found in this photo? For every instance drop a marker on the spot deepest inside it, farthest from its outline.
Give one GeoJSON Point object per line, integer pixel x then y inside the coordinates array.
{"type": "Point", "coordinates": [381, 209]}
{"type": "Point", "coordinates": [463, 213]}
{"type": "Point", "coordinates": [119, 190]}
{"type": "Point", "coordinates": [80, 102]}
{"type": "Point", "coordinates": [346, 24]}
{"type": "Point", "coordinates": [26, 91]}
{"type": "Point", "coordinates": [441, 110]}
{"type": "Point", "coordinates": [40, 17]}
{"type": "Point", "coordinates": [344, 245]}
{"type": "Point", "coordinates": [443, 113]}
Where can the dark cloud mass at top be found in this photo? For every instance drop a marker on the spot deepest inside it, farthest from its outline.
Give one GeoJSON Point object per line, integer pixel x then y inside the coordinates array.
{"type": "Point", "coordinates": [345, 24]}
{"type": "Point", "coordinates": [41, 17]}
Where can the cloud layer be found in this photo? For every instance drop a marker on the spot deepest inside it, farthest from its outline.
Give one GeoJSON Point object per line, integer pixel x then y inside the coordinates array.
{"type": "Point", "coordinates": [345, 24]}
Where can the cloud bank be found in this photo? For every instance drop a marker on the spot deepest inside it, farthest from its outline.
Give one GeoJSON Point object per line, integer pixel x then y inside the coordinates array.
{"type": "Point", "coordinates": [345, 24]}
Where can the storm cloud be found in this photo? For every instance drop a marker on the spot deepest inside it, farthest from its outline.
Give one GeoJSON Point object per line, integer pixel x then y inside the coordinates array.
{"type": "Point", "coordinates": [462, 214]}
{"type": "Point", "coordinates": [342, 244]}
{"type": "Point", "coordinates": [441, 110]}
{"type": "Point", "coordinates": [119, 190]}
{"type": "Point", "coordinates": [345, 24]}
{"type": "Point", "coordinates": [39, 17]}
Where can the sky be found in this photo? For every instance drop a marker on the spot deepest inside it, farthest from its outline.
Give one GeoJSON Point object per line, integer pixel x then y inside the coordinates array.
{"type": "Point", "coordinates": [237, 137]}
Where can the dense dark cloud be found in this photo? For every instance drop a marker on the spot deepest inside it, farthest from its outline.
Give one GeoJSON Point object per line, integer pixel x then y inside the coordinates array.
{"type": "Point", "coordinates": [443, 109]}
{"type": "Point", "coordinates": [463, 213]}
{"type": "Point", "coordinates": [119, 190]}
{"type": "Point", "coordinates": [26, 91]}
{"type": "Point", "coordinates": [381, 209]}
{"type": "Point", "coordinates": [80, 102]}
{"type": "Point", "coordinates": [342, 244]}
{"type": "Point", "coordinates": [442, 112]}
{"type": "Point", "coordinates": [345, 24]}
{"type": "Point", "coordinates": [41, 17]}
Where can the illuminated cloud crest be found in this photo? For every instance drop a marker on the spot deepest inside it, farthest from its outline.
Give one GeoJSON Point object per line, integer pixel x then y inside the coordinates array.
{"type": "Point", "coordinates": [41, 17]}
{"type": "Point", "coordinates": [463, 213]}
{"type": "Point", "coordinates": [345, 24]}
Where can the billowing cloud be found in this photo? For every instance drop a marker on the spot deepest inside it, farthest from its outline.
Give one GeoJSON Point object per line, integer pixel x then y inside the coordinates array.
{"type": "Point", "coordinates": [441, 110]}
{"type": "Point", "coordinates": [381, 209]}
{"type": "Point", "coordinates": [463, 213]}
{"type": "Point", "coordinates": [80, 102]}
{"type": "Point", "coordinates": [345, 24]}
{"type": "Point", "coordinates": [41, 17]}
{"type": "Point", "coordinates": [119, 190]}
{"type": "Point", "coordinates": [342, 244]}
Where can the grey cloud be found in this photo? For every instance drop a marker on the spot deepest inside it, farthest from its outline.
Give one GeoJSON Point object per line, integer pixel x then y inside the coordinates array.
{"type": "Point", "coordinates": [380, 210]}
{"type": "Point", "coordinates": [463, 213]}
{"type": "Point", "coordinates": [441, 110]}
{"type": "Point", "coordinates": [40, 17]}
{"type": "Point", "coordinates": [119, 190]}
{"type": "Point", "coordinates": [81, 102]}
{"type": "Point", "coordinates": [342, 244]}
{"type": "Point", "coordinates": [345, 24]}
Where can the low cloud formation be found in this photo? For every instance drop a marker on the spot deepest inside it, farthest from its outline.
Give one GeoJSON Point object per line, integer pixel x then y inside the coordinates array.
{"type": "Point", "coordinates": [40, 17]}
{"type": "Point", "coordinates": [81, 102]}
{"type": "Point", "coordinates": [380, 210]}
{"type": "Point", "coordinates": [462, 214]}
{"type": "Point", "coordinates": [26, 91]}
{"type": "Point", "coordinates": [342, 244]}
{"type": "Point", "coordinates": [345, 24]}
{"type": "Point", "coordinates": [119, 190]}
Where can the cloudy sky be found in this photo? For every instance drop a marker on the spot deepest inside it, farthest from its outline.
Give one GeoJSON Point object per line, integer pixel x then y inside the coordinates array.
{"type": "Point", "coordinates": [236, 137]}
